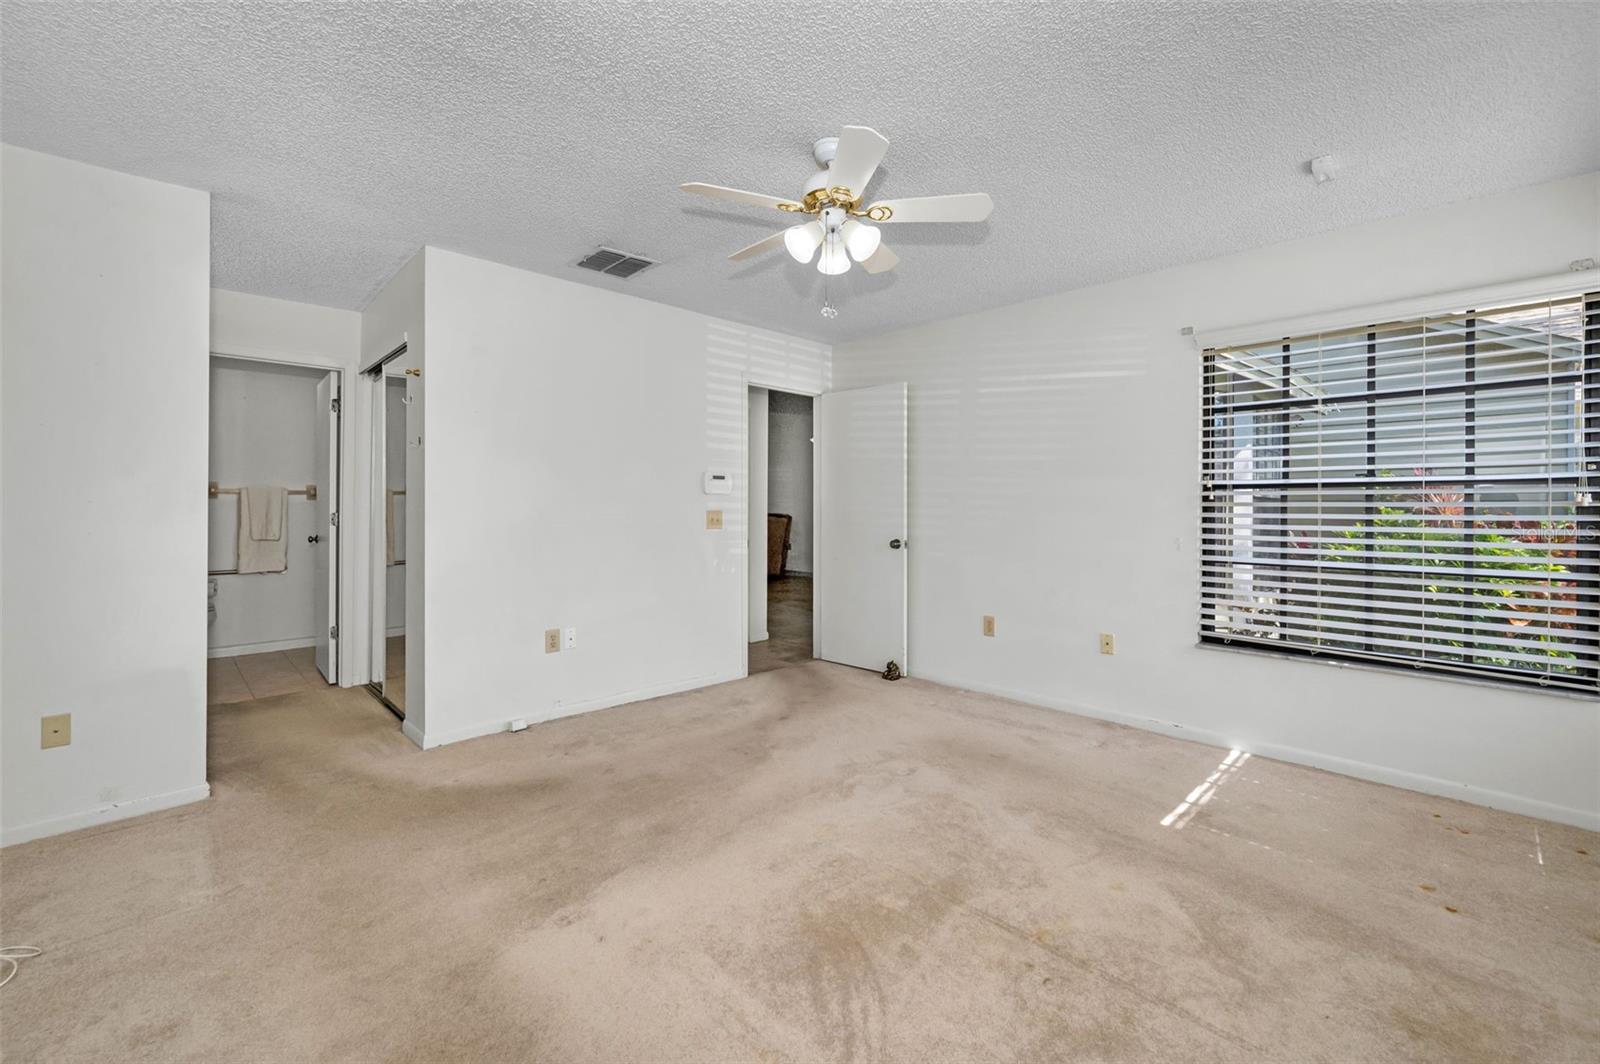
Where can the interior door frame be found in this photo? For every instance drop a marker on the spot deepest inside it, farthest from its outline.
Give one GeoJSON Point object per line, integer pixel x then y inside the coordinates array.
{"type": "Point", "coordinates": [344, 565]}
{"type": "Point", "coordinates": [331, 528]}
{"type": "Point", "coordinates": [748, 381]}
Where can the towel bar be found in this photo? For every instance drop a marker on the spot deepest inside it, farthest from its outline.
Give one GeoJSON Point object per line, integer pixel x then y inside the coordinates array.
{"type": "Point", "coordinates": [309, 491]}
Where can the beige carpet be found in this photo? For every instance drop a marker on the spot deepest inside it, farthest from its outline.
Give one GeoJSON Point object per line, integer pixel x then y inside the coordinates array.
{"type": "Point", "coordinates": [808, 865]}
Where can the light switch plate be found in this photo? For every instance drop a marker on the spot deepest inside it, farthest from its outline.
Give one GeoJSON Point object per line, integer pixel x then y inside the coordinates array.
{"type": "Point", "coordinates": [988, 625]}
{"type": "Point", "coordinates": [714, 519]}
{"type": "Point", "coordinates": [552, 640]}
{"type": "Point", "coordinates": [55, 731]}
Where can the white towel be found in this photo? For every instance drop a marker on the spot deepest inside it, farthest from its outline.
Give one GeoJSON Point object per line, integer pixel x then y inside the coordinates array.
{"type": "Point", "coordinates": [263, 529]}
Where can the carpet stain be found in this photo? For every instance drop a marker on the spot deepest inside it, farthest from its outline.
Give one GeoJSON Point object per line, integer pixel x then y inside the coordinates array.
{"type": "Point", "coordinates": [807, 865]}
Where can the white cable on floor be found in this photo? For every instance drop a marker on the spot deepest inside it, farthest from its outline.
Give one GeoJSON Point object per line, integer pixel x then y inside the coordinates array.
{"type": "Point", "coordinates": [10, 955]}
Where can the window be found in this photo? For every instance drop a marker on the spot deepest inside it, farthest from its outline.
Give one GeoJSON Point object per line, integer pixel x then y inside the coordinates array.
{"type": "Point", "coordinates": [1415, 493]}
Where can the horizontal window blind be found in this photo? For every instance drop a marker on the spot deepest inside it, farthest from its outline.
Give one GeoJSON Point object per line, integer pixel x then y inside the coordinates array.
{"type": "Point", "coordinates": [1416, 493]}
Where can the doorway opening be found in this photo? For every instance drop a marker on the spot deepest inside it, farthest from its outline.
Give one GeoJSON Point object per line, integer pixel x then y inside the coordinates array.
{"type": "Point", "coordinates": [781, 530]}
{"type": "Point", "coordinates": [272, 605]}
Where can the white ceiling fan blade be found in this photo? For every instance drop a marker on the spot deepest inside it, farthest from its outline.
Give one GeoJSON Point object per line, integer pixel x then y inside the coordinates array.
{"type": "Point", "coordinates": [856, 159]}
{"type": "Point", "coordinates": [880, 261]}
{"type": "Point", "coordinates": [735, 195]}
{"type": "Point", "coordinates": [966, 207]}
{"type": "Point", "coordinates": [760, 247]}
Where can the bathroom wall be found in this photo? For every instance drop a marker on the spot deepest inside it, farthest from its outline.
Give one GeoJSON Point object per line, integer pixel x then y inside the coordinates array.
{"type": "Point", "coordinates": [263, 423]}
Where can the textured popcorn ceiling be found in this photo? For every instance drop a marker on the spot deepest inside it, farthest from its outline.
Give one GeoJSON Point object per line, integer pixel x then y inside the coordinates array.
{"type": "Point", "coordinates": [1115, 138]}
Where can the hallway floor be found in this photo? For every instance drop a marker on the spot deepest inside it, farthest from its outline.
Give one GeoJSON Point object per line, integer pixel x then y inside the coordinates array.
{"type": "Point", "coordinates": [788, 639]}
{"type": "Point", "coordinates": [807, 865]}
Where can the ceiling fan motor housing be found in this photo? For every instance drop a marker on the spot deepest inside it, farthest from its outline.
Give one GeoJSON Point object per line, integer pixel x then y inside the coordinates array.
{"type": "Point", "coordinates": [823, 151]}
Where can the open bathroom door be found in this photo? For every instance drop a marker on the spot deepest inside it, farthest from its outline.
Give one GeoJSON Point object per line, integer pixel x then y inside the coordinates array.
{"type": "Point", "coordinates": [324, 534]}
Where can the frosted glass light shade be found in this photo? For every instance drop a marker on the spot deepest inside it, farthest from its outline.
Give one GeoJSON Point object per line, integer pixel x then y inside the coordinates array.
{"type": "Point", "coordinates": [862, 240]}
{"type": "Point", "coordinates": [802, 240]}
{"type": "Point", "coordinates": [833, 260]}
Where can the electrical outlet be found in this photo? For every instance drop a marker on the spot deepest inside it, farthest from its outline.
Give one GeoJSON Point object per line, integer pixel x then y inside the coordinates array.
{"type": "Point", "coordinates": [988, 625]}
{"type": "Point", "coordinates": [714, 520]}
{"type": "Point", "coordinates": [569, 639]}
{"type": "Point", "coordinates": [552, 640]}
{"type": "Point", "coordinates": [55, 731]}
{"type": "Point", "coordinates": [1108, 643]}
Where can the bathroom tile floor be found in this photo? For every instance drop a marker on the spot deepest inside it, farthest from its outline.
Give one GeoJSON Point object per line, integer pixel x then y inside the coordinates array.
{"type": "Point", "coordinates": [252, 676]}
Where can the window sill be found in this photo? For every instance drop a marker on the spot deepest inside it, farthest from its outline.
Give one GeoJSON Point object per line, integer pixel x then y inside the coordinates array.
{"type": "Point", "coordinates": [1398, 670]}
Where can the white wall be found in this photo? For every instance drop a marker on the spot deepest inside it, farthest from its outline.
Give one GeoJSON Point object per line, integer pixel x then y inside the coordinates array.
{"type": "Point", "coordinates": [105, 320]}
{"type": "Point", "coordinates": [758, 457]}
{"type": "Point", "coordinates": [1054, 457]}
{"type": "Point", "coordinates": [789, 472]}
{"type": "Point", "coordinates": [263, 424]}
{"type": "Point", "coordinates": [249, 326]}
{"type": "Point", "coordinates": [568, 431]}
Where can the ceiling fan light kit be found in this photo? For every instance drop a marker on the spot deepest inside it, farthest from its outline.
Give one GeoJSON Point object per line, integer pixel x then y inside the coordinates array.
{"type": "Point", "coordinates": [803, 240]}
{"type": "Point", "coordinates": [833, 196]}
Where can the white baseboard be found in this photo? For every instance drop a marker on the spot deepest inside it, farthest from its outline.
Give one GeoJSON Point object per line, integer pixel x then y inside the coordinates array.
{"type": "Point", "coordinates": [410, 731]}
{"type": "Point", "coordinates": [104, 814]}
{"type": "Point", "coordinates": [432, 739]}
{"type": "Point", "coordinates": [401, 630]}
{"type": "Point", "coordinates": [1393, 777]}
{"type": "Point", "coordinates": [241, 649]}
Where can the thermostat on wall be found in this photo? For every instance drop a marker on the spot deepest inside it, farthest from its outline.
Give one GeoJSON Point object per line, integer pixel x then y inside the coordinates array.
{"type": "Point", "coordinates": [718, 484]}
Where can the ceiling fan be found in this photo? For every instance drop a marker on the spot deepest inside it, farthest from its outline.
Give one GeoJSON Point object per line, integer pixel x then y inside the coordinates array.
{"type": "Point", "coordinates": [833, 197]}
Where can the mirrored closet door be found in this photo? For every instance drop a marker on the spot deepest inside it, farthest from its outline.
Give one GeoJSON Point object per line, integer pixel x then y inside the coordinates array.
{"type": "Point", "coordinates": [392, 388]}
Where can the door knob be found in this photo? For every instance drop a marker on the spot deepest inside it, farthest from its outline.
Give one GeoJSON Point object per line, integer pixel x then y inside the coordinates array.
{"type": "Point", "coordinates": [895, 544]}
{"type": "Point", "coordinates": [313, 539]}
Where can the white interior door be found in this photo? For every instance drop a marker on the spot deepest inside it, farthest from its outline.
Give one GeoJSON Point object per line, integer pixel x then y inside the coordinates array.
{"type": "Point", "coordinates": [325, 526]}
{"type": "Point", "coordinates": [860, 582]}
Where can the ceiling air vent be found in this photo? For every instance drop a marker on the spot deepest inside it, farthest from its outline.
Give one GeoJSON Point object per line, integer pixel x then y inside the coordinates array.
{"type": "Point", "coordinates": [614, 263]}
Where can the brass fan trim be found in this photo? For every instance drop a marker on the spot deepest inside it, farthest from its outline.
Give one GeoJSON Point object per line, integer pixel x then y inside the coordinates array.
{"type": "Point", "coordinates": [841, 197]}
